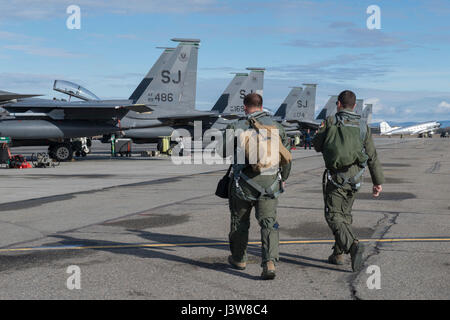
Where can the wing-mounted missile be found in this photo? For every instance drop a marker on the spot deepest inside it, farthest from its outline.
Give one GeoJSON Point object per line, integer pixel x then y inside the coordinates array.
{"type": "Point", "coordinates": [53, 114]}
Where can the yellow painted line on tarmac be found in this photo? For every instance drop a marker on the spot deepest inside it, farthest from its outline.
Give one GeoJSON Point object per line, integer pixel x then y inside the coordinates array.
{"type": "Point", "coordinates": [207, 244]}
{"type": "Point", "coordinates": [368, 240]}
{"type": "Point", "coordinates": [406, 240]}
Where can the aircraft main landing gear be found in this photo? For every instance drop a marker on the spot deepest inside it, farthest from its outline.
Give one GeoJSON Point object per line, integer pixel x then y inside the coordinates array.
{"type": "Point", "coordinates": [61, 151]}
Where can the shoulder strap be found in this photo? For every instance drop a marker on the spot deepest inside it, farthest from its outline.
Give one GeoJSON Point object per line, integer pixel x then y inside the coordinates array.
{"type": "Point", "coordinates": [229, 170]}
{"type": "Point", "coordinates": [255, 124]}
{"type": "Point", "coordinates": [335, 119]}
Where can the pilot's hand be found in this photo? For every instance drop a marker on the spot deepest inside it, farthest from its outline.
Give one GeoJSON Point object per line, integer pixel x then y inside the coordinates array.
{"type": "Point", "coordinates": [376, 190]}
{"type": "Point", "coordinates": [284, 184]}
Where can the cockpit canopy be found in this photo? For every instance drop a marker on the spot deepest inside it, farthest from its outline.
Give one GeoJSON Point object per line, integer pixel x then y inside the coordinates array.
{"type": "Point", "coordinates": [74, 90]}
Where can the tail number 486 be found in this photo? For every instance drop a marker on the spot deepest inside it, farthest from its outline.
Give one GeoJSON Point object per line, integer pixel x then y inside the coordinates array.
{"type": "Point", "coordinates": [163, 97]}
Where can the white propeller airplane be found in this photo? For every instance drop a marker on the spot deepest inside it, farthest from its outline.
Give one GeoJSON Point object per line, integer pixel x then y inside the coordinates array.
{"type": "Point", "coordinates": [421, 128]}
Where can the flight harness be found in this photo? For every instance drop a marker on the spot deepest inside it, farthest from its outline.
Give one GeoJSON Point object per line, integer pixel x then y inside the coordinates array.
{"type": "Point", "coordinates": [327, 176]}
{"type": "Point", "coordinates": [238, 175]}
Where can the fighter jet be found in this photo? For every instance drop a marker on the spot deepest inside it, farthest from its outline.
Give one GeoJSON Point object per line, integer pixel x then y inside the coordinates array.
{"type": "Point", "coordinates": [419, 129]}
{"type": "Point", "coordinates": [169, 87]}
{"type": "Point", "coordinates": [34, 121]}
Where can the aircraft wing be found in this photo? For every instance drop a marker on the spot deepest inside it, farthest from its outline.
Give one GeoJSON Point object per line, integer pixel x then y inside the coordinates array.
{"type": "Point", "coordinates": [141, 108]}
{"type": "Point", "coordinates": [8, 96]}
{"type": "Point", "coordinates": [180, 119]}
{"type": "Point", "coordinates": [85, 105]}
{"type": "Point", "coordinates": [63, 110]}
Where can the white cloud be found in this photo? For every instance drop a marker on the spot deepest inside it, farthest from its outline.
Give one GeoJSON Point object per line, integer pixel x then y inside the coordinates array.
{"type": "Point", "coordinates": [443, 107]}
{"type": "Point", "coordinates": [379, 108]}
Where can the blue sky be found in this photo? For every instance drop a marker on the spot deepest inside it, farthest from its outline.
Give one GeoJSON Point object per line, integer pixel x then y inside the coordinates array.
{"type": "Point", "coordinates": [403, 68]}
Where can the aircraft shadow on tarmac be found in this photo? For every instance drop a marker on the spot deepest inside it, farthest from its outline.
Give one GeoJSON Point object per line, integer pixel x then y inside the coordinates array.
{"type": "Point", "coordinates": [253, 251]}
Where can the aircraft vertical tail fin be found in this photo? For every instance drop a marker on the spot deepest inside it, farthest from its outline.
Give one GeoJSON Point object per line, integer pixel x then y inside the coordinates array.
{"type": "Point", "coordinates": [291, 98]}
{"type": "Point", "coordinates": [367, 113]}
{"type": "Point", "coordinates": [232, 100]}
{"type": "Point", "coordinates": [322, 115]}
{"type": "Point", "coordinates": [359, 106]}
{"type": "Point", "coordinates": [384, 127]}
{"type": "Point", "coordinates": [256, 81]}
{"type": "Point", "coordinates": [143, 85]}
{"type": "Point", "coordinates": [329, 109]}
{"type": "Point", "coordinates": [174, 85]}
{"type": "Point", "coordinates": [302, 108]}
{"type": "Point", "coordinates": [234, 86]}
{"type": "Point", "coordinates": [309, 105]}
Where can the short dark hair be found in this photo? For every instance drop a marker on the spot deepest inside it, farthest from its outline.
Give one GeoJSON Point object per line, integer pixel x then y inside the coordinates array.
{"type": "Point", "coordinates": [347, 99]}
{"type": "Point", "coordinates": [253, 100]}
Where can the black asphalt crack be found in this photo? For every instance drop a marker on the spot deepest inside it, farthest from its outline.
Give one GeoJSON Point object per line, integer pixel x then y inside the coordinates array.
{"type": "Point", "coordinates": [391, 220]}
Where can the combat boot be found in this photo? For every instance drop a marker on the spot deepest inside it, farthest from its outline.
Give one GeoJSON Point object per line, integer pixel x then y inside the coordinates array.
{"type": "Point", "coordinates": [356, 252]}
{"type": "Point", "coordinates": [236, 265]}
{"type": "Point", "coordinates": [268, 270]}
{"type": "Point", "coordinates": [337, 259]}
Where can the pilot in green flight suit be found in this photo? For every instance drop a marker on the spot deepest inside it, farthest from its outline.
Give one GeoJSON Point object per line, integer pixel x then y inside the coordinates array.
{"type": "Point", "coordinates": [243, 196]}
{"type": "Point", "coordinates": [347, 147]}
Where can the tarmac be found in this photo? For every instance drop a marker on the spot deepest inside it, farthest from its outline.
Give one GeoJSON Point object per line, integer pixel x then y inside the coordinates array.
{"type": "Point", "coordinates": [145, 228]}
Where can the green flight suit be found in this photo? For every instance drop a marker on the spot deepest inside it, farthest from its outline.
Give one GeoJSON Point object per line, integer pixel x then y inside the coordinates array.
{"type": "Point", "coordinates": [339, 199]}
{"type": "Point", "coordinates": [265, 206]}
